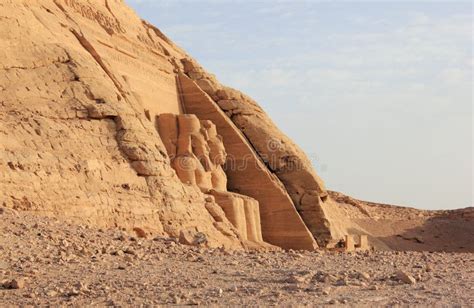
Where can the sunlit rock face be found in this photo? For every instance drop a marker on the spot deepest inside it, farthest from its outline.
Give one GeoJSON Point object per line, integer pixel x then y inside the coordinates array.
{"type": "Point", "coordinates": [105, 121]}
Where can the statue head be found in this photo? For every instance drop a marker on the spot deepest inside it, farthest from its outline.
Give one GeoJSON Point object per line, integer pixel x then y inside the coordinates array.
{"type": "Point", "coordinates": [217, 152]}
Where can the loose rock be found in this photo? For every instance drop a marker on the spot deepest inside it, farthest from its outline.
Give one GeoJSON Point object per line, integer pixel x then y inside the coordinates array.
{"type": "Point", "coordinates": [405, 277]}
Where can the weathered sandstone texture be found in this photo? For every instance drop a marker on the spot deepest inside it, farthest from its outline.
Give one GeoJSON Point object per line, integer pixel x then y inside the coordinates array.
{"type": "Point", "coordinates": [197, 155]}
{"type": "Point", "coordinates": [247, 174]}
{"type": "Point", "coordinates": [75, 138]}
{"type": "Point", "coordinates": [281, 156]}
{"type": "Point", "coordinates": [105, 121]}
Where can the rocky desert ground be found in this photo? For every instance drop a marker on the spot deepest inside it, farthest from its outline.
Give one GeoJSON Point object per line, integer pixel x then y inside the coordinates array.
{"type": "Point", "coordinates": [46, 262]}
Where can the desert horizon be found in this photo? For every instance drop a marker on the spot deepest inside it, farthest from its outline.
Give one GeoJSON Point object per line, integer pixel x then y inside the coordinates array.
{"type": "Point", "coordinates": [223, 168]}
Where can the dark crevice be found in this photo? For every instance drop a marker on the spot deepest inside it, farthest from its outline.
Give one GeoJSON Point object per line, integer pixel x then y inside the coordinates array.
{"type": "Point", "coordinates": [180, 94]}
{"type": "Point", "coordinates": [91, 50]}
{"type": "Point", "coordinates": [35, 66]}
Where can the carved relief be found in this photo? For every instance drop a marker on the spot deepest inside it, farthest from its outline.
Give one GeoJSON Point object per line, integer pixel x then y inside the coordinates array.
{"type": "Point", "coordinates": [197, 155]}
{"type": "Point", "coordinates": [110, 24]}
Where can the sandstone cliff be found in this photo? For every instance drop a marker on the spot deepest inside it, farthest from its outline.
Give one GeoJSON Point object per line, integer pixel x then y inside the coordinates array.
{"type": "Point", "coordinates": [104, 120]}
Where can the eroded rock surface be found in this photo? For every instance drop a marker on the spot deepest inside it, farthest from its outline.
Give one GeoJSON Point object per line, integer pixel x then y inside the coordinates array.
{"type": "Point", "coordinates": [82, 85]}
{"type": "Point", "coordinates": [197, 154]}
{"type": "Point", "coordinates": [280, 155]}
{"type": "Point", "coordinates": [76, 99]}
{"type": "Point", "coordinates": [248, 175]}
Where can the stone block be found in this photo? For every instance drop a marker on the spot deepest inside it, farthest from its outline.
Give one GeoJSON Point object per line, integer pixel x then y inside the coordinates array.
{"type": "Point", "coordinates": [363, 242]}
{"type": "Point", "coordinates": [167, 125]}
{"type": "Point", "coordinates": [349, 243]}
{"type": "Point", "coordinates": [207, 86]}
{"type": "Point", "coordinates": [252, 217]}
{"type": "Point", "coordinates": [234, 210]}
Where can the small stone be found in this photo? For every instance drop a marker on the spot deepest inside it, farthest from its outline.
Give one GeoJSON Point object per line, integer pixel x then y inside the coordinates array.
{"type": "Point", "coordinates": [186, 237]}
{"type": "Point", "coordinates": [176, 299]}
{"type": "Point", "coordinates": [341, 282]}
{"type": "Point", "coordinates": [326, 291]}
{"type": "Point", "coordinates": [296, 279]}
{"type": "Point", "coordinates": [51, 293]}
{"type": "Point", "coordinates": [324, 277]}
{"type": "Point", "coordinates": [200, 238]}
{"type": "Point", "coordinates": [118, 253]}
{"type": "Point", "coordinates": [363, 276]}
{"type": "Point", "coordinates": [192, 237]}
{"type": "Point", "coordinates": [130, 251]}
{"type": "Point", "coordinates": [64, 243]}
{"type": "Point", "coordinates": [17, 283]}
{"type": "Point", "coordinates": [405, 277]}
{"type": "Point", "coordinates": [80, 286]}
{"type": "Point", "coordinates": [121, 237]}
{"type": "Point", "coordinates": [140, 232]}
{"type": "Point", "coordinates": [73, 292]}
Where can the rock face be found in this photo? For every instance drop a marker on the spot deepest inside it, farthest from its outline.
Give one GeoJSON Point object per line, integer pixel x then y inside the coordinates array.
{"type": "Point", "coordinates": [105, 121]}
{"type": "Point", "coordinates": [197, 154]}
{"type": "Point", "coordinates": [248, 175]}
{"type": "Point", "coordinates": [280, 155]}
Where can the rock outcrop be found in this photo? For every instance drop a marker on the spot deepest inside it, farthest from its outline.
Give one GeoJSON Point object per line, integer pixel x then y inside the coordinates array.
{"type": "Point", "coordinates": [103, 120]}
{"type": "Point", "coordinates": [248, 175]}
{"type": "Point", "coordinates": [281, 156]}
{"type": "Point", "coordinates": [197, 154]}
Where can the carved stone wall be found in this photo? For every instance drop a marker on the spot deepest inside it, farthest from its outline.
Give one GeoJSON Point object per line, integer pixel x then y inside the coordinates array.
{"type": "Point", "coordinates": [75, 142]}
{"type": "Point", "coordinates": [278, 152]}
{"type": "Point", "coordinates": [81, 84]}
{"type": "Point", "coordinates": [197, 154]}
{"type": "Point", "coordinates": [247, 174]}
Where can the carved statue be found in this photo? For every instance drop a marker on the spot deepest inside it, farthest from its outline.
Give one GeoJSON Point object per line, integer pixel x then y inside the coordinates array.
{"type": "Point", "coordinates": [197, 154]}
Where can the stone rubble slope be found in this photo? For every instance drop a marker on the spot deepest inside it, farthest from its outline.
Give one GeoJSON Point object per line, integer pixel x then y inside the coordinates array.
{"type": "Point", "coordinates": [45, 262]}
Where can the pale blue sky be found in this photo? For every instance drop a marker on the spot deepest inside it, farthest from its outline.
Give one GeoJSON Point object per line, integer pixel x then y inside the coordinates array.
{"type": "Point", "coordinates": [378, 94]}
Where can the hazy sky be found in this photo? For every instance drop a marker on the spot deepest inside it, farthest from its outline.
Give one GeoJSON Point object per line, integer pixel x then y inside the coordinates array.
{"type": "Point", "coordinates": [378, 94]}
